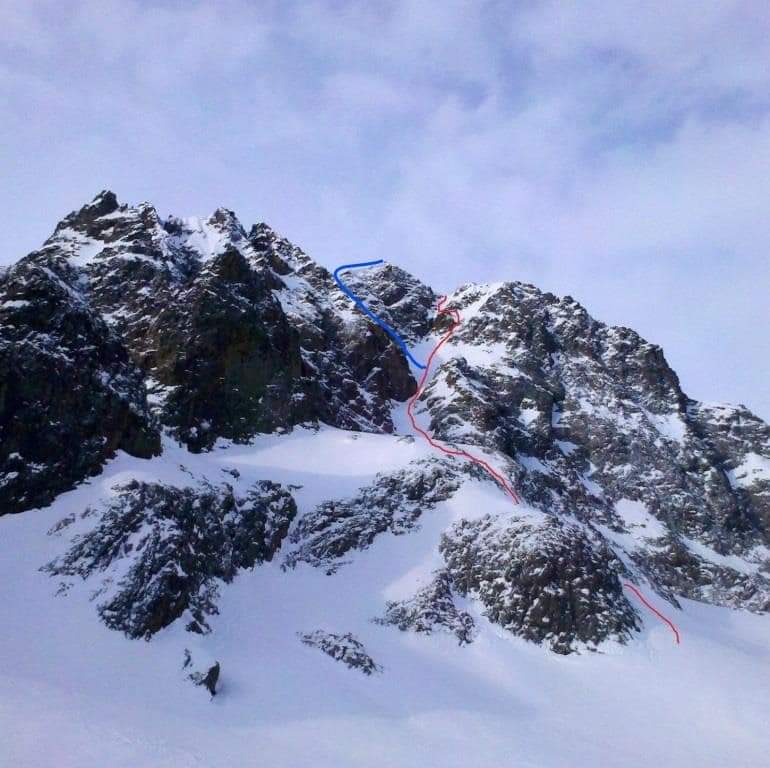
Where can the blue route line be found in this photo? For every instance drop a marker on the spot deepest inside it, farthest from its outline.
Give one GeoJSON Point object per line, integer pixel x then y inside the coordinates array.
{"type": "Point", "coordinates": [392, 332]}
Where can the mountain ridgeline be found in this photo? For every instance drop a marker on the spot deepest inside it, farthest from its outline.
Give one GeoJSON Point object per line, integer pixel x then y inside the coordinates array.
{"type": "Point", "coordinates": [126, 330]}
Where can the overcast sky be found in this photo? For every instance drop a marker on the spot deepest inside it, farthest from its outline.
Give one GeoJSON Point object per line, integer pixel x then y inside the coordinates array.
{"type": "Point", "coordinates": [614, 150]}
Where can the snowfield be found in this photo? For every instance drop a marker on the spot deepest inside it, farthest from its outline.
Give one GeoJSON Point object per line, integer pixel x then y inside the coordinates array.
{"type": "Point", "coordinates": [75, 694]}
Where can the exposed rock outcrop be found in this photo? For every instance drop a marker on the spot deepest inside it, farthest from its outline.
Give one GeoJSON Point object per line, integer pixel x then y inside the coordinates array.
{"type": "Point", "coordinates": [394, 503]}
{"type": "Point", "coordinates": [431, 609]}
{"type": "Point", "coordinates": [344, 648]}
{"type": "Point", "coordinates": [178, 542]}
{"type": "Point", "coordinates": [547, 583]}
{"type": "Point", "coordinates": [69, 394]}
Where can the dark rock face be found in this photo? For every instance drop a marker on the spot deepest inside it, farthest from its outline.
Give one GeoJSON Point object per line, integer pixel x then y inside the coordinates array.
{"type": "Point", "coordinates": [738, 443]}
{"type": "Point", "coordinates": [671, 564]}
{"type": "Point", "coordinates": [236, 334]}
{"type": "Point", "coordinates": [199, 317]}
{"type": "Point", "coordinates": [178, 541]}
{"type": "Point", "coordinates": [590, 417]}
{"type": "Point", "coordinates": [227, 354]}
{"type": "Point", "coordinates": [431, 609]}
{"type": "Point", "coordinates": [345, 648]}
{"type": "Point", "coordinates": [125, 324]}
{"type": "Point", "coordinates": [547, 584]}
{"type": "Point", "coordinates": [354, 364]}
{"type": "Point", "coordinates": [392, 503]}
{"type": "Point", "coordinates": [69, 394]}
{"type": "Point", "coordinates": [230, 335]}
{"type": "Point", "coordinates": [402, 301]}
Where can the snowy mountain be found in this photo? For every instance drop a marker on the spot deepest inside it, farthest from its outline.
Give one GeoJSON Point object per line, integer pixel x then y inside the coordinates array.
{"type": "Point", "coordinates": [205, 445]}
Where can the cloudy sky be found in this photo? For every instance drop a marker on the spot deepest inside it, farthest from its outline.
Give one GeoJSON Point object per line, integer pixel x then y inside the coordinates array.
{"type": "Point", "coordinates": [614, 150]}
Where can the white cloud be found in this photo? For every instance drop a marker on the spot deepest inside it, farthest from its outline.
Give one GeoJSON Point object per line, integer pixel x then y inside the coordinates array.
{"type": "Point", "coordinates": [615, 151]}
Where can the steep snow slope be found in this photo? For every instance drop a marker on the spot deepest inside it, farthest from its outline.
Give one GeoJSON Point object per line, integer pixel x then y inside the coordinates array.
{"type": "Point", "coordinates": [73, 693]}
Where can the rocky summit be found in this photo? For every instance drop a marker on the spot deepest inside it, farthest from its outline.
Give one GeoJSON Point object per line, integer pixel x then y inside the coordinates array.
{"type": "Point", "coordinates": [193, 400]}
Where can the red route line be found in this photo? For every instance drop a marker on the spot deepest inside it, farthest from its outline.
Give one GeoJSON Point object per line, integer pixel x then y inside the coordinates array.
{"type": "Point", "coordinates": [455, 315]}
{"type": "Point", "coordinates": [653, 609]}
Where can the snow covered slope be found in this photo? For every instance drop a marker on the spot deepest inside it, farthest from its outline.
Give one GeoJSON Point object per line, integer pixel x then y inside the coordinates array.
{"type": "Point", "coordinates": [75, 693]}
{"type": "Point", "coordinates": [217, 487]}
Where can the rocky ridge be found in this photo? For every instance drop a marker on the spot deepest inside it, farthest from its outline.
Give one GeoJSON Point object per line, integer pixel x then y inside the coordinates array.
{"type": "Point", "coordinates": [125, 326]}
